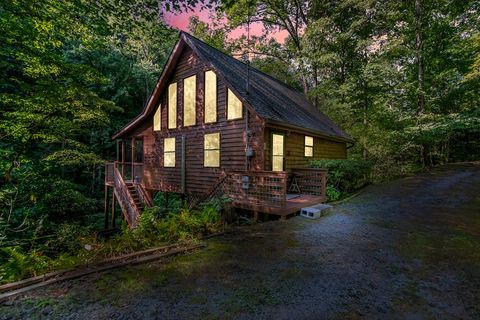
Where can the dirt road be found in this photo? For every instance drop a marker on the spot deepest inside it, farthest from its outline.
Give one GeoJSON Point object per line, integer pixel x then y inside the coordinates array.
{"type": "Point", "coordinates": [408, 249]}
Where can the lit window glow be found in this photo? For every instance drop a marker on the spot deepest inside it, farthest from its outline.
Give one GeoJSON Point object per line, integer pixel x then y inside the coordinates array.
{"type": "Point", "coordinates": [211, 150]}
{"type": "Point", "coordinates": [169, 152]}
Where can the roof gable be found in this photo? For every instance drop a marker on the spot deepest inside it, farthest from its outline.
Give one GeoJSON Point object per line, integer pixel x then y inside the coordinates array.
{"type": "Point", "coordinates": [271, 99]}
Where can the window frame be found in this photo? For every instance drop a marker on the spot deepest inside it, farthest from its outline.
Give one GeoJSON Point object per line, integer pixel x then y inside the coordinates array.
{"type": "Point", "coordinates": [205, 97]}
{"type": "Point", "coordinates": [205, 150]}
{"type": "Point", "coordinates": [172, 121]}
{"type": "Point", "coordinates": [308, 146]}
{"type": "Point", "coordinates": [165, 152]}
{"type": "Point", "coordinates": [157, 114]}
{"type": "Point", "coordinates": [194, 101]}
{"type": "Point", "coordinates": [229, 91]}
{"type": "Point", "coordinates": [283, 149]}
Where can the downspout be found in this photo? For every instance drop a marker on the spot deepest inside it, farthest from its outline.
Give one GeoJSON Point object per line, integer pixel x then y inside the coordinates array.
{"type": "Point", "coordinates": [247, 138]}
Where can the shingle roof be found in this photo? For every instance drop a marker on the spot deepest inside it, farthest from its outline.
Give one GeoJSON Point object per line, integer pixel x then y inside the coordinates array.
{"type": "Point", "coordinates": [271, 99]}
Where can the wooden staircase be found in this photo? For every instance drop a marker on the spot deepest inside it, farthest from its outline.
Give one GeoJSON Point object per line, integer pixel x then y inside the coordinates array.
{"type": "Point", "coordinates": [135, 196]}
{"type": "Point", "coordinates": [132, 198]}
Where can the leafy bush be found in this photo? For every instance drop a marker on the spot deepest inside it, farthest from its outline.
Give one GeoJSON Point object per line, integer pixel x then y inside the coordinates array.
{"type": "Point", "coordinates": [344, 176]}
{"type": "Point", "coordinates": [17, 265]}
{"type": "Point", "coordinates": [154, 229]}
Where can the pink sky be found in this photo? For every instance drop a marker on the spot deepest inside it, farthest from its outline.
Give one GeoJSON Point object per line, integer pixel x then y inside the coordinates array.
{"type": "Point", "coordinates": [180, 21]}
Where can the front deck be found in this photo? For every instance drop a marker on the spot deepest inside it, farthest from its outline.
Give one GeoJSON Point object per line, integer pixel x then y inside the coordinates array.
{"type": "Point", "coordinates": [276, 193]}
{"type": "Point", "coordinates": [270, 192]}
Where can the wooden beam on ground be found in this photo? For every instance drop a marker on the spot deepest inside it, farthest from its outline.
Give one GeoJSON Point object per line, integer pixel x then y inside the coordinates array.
{"type": "Point", "coordinates": [17, 288]}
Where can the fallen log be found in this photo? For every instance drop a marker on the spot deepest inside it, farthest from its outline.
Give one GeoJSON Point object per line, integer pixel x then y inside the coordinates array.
{"type": "Point", "coordinates": [15, 288]}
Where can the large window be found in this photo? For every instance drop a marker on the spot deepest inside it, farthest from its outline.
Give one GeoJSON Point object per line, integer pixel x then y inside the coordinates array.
{"type": "Point", "coordinates": [169, 152]}
{"type": "Point", "coordinates": [172, 106]}
{"type": "Point", "coordinates": [234, 106]}
{"type": "Point", "coordinates": [211, 150]}
{"type": "Point", "coordinates": [157, 119]}
{"type": "Point", "coordinates": [277, 152]}
{"type": "Point", "coordinates": [308, 146]}
{"type": "Point", "coordinates": [189, 100]}
{"type": "Point", "coordinates": [210, 97]}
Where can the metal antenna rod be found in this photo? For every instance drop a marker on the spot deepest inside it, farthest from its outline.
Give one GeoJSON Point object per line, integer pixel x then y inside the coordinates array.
{"type": "Point", "coordinates": [248, 47]}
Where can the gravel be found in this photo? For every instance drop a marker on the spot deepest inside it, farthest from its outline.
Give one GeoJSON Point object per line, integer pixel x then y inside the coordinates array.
{"type": "Point", "coordinates": [404, 249]}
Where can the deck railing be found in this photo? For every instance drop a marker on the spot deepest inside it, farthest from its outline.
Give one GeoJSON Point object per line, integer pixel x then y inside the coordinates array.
{"type": "Point", "coordinates": [257, 188]}
{"type": "Point", "coordinates": [109, 167]}
{"type": "Point", "coordinates": [129, 208]}
{"type": "Point", "coordinates": [311, 181]}
{"type": "Point", "coordinates": [125, 169]}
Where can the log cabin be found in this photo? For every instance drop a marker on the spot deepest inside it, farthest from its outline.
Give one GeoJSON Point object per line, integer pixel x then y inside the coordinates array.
{"type": "Point", "coordinates": [214, 126]}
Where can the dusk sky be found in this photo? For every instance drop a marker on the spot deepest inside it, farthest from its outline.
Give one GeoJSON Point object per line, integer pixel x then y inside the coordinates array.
{"type": "Point", "coordinates": [181, 20]}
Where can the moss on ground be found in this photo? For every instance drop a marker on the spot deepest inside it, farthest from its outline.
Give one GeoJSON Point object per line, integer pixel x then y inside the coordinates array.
{"type": "Point", "coordinates": [449, 246]}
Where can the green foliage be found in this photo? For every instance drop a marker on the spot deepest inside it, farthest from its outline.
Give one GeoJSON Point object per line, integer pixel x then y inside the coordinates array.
{"type": "Point", "coordinates": [66, 248]}
{"type": "Point", "coordinates": [344, 176]}
{"type": "Point", "coordinates": [17, 265]}
{"type": "Point", "coordinates": [72, 74]}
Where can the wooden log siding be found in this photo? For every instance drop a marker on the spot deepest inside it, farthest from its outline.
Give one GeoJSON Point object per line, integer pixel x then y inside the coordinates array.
{"type": "Point", "coordinates": [232, 137]}
{"type": "Point", "coordinates": [295, 149]}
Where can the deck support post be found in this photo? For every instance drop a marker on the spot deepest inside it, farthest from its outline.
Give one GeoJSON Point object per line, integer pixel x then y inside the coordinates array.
{"type": "Point", "coordinates": [105, 210]}
{"type": "Point", "coordinates": [113, 210]}
{"type": "Point", "coordinates": [255, 215]}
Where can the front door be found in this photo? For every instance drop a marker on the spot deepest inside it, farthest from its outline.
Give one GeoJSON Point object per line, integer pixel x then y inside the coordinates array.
{"type": "Point", "coordinates": [278, 152]}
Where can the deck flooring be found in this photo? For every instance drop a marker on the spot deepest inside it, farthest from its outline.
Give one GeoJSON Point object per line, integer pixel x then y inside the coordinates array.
{"type": "Point", "coordinates": [292, 206]}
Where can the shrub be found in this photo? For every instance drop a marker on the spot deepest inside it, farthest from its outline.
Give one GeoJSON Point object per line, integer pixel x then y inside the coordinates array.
{"type": "Point", "coordinates": [15, 264]}
{"type": "Point", "coordinates": [344, 176]}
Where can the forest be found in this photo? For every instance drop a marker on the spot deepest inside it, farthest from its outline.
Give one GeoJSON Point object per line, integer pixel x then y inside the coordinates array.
{"type": "Point", "coordinates": [401, 77]}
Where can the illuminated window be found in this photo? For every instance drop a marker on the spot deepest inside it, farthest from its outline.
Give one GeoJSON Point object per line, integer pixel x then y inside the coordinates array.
{"type": "Point", "coordinates": [172, 106]}
{"type": "Point", "coordinates": [169, 152]}
{"type": "Point", "coordinates": [234, 107]}
{"type": "Point", "coordinates": [277, 152]}
{"type": "Point", "coordinates": [157, 119]}
{"type": "Point", "coordinates": [210, 97]}
{"type": "Point", "coordinates": [189, 100]}
{"type": "Point", "coordinates": [211, 150]}
{"type": "Point", "coordinates": [308, 146]}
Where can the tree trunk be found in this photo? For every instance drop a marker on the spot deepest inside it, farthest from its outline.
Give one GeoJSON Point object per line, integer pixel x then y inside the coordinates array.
{"type": "Point", "coordinates": [419, 52]}
{"type": "Point", "coordinates": [365, 126]}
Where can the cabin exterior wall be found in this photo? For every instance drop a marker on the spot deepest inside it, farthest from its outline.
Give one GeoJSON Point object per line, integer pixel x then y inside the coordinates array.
{"type": "Point", "coordinates": [295, 149]}
{"type": "Point", "coordinates": [233, 137]}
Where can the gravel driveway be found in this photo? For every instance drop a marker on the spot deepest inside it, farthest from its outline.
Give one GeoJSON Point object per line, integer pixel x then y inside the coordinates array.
{"type": "Point", "coordinates": [408, 249]}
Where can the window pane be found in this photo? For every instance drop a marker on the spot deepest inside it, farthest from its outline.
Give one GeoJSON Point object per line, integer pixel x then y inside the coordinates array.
{"type": "Point", "coordinates": [212, 141]}
{"type": "Point", "coordinates": [189, 100]}
{"type": "Point", "coordinates": [210, 97]}
{"type": "Point", "coordinates": [277, 141]}
{"type": "Point", "coordinates": [169, 159]}
{"type": "Point", "coordinates": [234, 106]}
{"type": "Point", "coordinates": [138, 151]}
{"type": "Point", "coordinates": [169, 144]}
{"type": "Point", "coordinates": [308, 151]}
{"type": "Point", "coordinates": [212, 158]}
{"type": "Point", "coordinates": [172, 105]}
{"type": "Point", "coordinates": [128, 150]}
{"type": "Point", "coordinates": [309, 141]}
{"type": "Point", "coordinates": [277, 163]}
{"type": "Point", "coordinates": [157, 119]}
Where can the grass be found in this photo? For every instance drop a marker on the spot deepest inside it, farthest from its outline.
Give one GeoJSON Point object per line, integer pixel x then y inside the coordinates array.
{"type": "Point", "coordinates": [456, 247]}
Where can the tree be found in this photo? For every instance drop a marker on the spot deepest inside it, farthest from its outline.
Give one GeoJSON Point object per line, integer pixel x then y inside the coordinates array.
{"type": "Point", "coordinates": [292, 16]}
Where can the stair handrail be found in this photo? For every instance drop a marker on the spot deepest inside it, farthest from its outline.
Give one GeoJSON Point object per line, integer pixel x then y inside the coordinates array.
{"type": "Point", "coordinates": [144, 195]}
{"type": "Point", "coordinates": [129, 208]}
{"type": "Point", "coordinates": [210, 192]}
